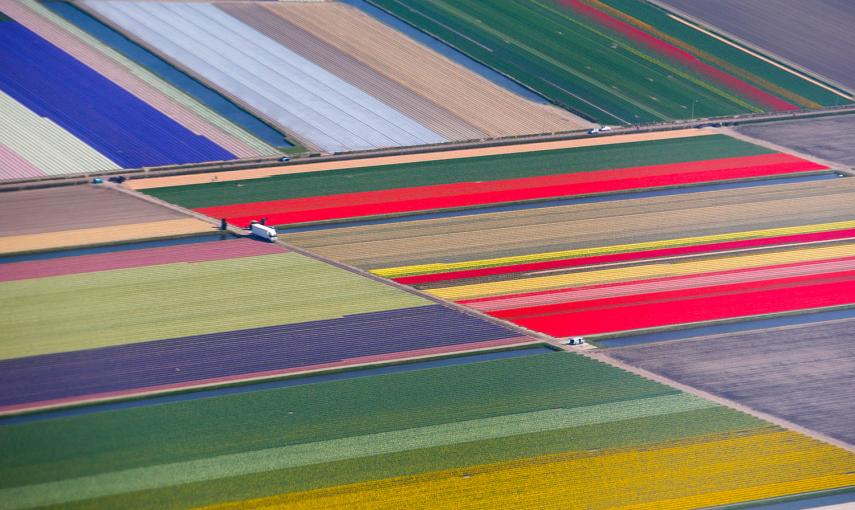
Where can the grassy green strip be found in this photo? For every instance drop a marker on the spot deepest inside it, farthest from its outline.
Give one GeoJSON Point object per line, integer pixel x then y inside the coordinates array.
{"type": "Point", "coordinates": [97, 443]}
{"type": "Point", "coordinates": [708, 422]}
{"type": "Point", "coordinates": [98, 309]}
{"type": "Point", "coordinates": [484, 168]}
{"type": "Point", "coordinates": [180, 473]}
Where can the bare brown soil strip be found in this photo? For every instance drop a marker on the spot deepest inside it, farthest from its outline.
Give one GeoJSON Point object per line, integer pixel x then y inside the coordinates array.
{"type": "Point", "coordinates": [103, 235]}
{"type": "Point", "coordinates": [258, 173]}
{"type": "Point", "coordinates": [74, 207]}
{"type": "Point", "coordinates": [426, 112]}
{"type": "Point", "coordinates": [491, 108]}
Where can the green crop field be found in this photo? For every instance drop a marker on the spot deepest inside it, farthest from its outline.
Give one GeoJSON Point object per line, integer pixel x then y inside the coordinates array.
{"type": "Point", "coordinates": [484, 168]}
{"type": "Point", "coordinates": [733, 57]}
{"type": "Point", "coordinates": [290, 439]}
{"type": "Point", "coordinates": [88, 310]}
{"type": "Point", "coordinates": [598, 72]}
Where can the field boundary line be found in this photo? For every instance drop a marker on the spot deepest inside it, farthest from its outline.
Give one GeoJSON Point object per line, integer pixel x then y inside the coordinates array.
{"type": "Point", "coordinates": [288, 134]}
{"type": "Point", "coordinates": [537, 337]}
{"type": "Point", "coordinates": [752, 49]}
{"type": "Point", "coordinates": [739, 320]}
{"type": "Point", "coordinates": [225, 167]}
{"type": "Point", "coordinates": [836, 167]}
{"type": "Point", "coordinates": [615, 249]}
{"type": "Point", "coordinates": [603, 356]}
{"type": "Point", "coordinates": [395, 159]}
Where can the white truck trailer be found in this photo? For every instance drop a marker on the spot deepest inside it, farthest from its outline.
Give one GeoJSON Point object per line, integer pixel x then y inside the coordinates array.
{"type": "Point", "coordinates": [263, 232]}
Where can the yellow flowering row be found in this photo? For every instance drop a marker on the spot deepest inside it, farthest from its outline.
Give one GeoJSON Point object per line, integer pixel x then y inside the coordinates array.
{"type": "Point", "coordinates": [706, 471]}
{"type": "Point", "coordinates": [643, 272]}
{"type": "Point", "coordinates": [395, 272]}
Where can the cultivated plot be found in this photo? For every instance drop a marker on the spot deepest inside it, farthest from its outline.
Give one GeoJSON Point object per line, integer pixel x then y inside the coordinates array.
{"type": "Point", "coordinates": [66, 105]}
{"type": "Point", "coordinates": [245, 130]}
{"type": "Point", "coordinates": [408, 188]}
{"type": "Point", "coordinates": [803, 374]}
{"type": "Point", "coordinates": [207, 313]}
{"type": "Point", "coordinates": [314, 73]}
{"type": "Point", "coordinates": [469, 435]}
{"type": "Point", "coordinates": [270, 171]}
{"type": "Point", "coordinates": [293, 92]}
{"type": "Point", "coordinates": [829, 138]}
{"type": "Point", "coordinates": [113, 56]}
{"type": "Point", "coordinates": [437, 92]}
{"type": "Point", "coordinates": [82, 215]}
{"type": "Point", "coordinates": [815, 35]}
{"type": "Point", "coordinates": [626, 265]}
{"type": "Point", "coordinates": [615, 61]}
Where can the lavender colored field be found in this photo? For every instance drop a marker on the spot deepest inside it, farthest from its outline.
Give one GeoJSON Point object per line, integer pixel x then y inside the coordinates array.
{"type": "Point", "coordinates": [830, 138]}
{"type": "Point", "coordinates": [77, 207]}
{"type": "Point", "coordinates": [227, 249]}
{"type": "Point", "coordinates": [804, 374]}
{"type": "Point", "coordinates": [816, 35]}
{"type": "Point", "coordinates": [231, 356]}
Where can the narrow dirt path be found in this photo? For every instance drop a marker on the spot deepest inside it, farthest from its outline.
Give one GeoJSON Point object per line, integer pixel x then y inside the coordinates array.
{"type": "Point", "coordinates": [257, 173]}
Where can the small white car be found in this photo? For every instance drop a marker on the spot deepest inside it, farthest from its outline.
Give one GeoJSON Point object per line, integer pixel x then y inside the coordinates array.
{"type": "Point", "coordinates": [601, 129]}
{"type": "Point", "coordinates": [574, 340]}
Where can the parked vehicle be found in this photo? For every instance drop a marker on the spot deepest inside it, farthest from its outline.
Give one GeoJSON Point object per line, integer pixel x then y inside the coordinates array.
{"type": "Point", "coordinates": [601, 129]}
{"type": "Point", "coordinates": [574, 340]}
{"type": "Point", "coordinates": [263, 232]}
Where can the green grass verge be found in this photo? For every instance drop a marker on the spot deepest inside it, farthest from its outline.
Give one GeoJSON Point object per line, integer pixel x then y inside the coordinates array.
{"type": "Point", "coordinates": [483, 168]}
{"type": "Point", "coordinates": [89, 310]}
